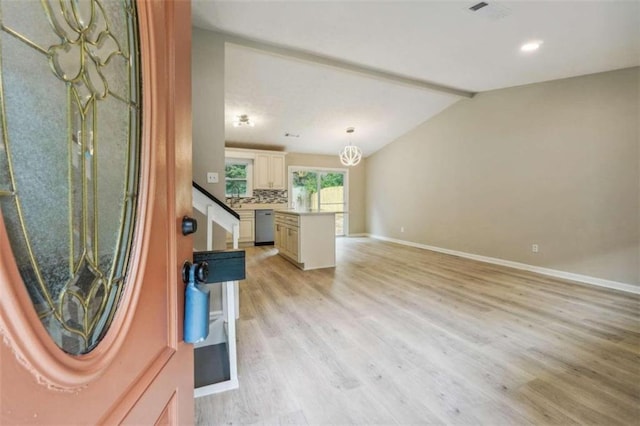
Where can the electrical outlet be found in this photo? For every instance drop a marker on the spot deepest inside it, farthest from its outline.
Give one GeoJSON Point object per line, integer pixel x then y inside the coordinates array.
{"type": "Point", "coordinates": [402, 229]}
{"type": "Point", "coordinates": [535, 248]}
{"type": "Point", "coordinates": [212, 177]}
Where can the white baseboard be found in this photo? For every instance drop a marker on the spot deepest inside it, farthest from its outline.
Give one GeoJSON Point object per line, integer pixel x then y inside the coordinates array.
{"type": "Point", "coordinates": [363, 234]}
{"type": "Point", "coordinates": [216, 388]}
{"type": "Point", "coordinates": [584, 279]}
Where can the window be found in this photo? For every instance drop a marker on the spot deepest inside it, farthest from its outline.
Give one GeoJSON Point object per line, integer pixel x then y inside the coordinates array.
{"type": "Point", "coordinates": [238, 177]}
{"type": "Point", "coordinates": [72, 224]}
{"type": "Point", "coordinates": [320, 189]}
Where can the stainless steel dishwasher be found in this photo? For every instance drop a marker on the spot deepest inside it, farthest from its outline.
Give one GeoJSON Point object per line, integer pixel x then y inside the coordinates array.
{"type": "Point", "coordinates": [264, 227]}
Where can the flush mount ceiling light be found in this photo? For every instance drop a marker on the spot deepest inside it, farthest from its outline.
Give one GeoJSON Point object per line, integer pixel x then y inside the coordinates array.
{"type": "Point", "coordinates": [242, 121]}
{"type": "Point", "coordinates": [531, 46]}
{"type": "Point", "coordinates": [350, 154]}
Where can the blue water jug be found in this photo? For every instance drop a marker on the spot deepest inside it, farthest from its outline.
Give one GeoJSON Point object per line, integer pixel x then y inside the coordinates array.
{"type": "Point", "coordinates": [196, 305]}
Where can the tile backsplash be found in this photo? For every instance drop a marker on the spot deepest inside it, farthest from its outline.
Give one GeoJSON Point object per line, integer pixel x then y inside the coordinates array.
{"type": "Point", "coordinates": [264, 196]}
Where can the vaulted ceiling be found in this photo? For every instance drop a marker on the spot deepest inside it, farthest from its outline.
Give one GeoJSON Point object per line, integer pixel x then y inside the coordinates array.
{"type": "Point", "coordinates": [440, 42]}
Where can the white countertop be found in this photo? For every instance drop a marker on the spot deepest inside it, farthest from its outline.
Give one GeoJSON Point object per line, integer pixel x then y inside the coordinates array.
{"type": "Point", "coordinates": [306, 212]}
{"type": "Point", "coordinates": [280, 207]}
{"type": "Point", "coordinates": [260, 206]}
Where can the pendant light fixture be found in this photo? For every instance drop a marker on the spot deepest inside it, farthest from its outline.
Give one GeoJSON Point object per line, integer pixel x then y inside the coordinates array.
{"type": "Point", "coordinates": [350, 154]}
{"type": "Point", "coordinates": [243, 120]}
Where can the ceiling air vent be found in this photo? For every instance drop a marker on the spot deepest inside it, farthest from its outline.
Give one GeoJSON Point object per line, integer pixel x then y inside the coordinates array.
{"type": "Point", "coordinates": [490, 11]}
{"type": "Point", "coordinates": [477, 6]}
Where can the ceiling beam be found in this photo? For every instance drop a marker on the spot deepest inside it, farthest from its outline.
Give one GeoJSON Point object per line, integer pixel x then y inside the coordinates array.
{"type": "Point", "coordinates": [339, 63]}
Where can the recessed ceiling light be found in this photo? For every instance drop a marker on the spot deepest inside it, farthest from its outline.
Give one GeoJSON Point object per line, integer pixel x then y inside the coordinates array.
{"type": "Point", "coordinates": [531, 46]}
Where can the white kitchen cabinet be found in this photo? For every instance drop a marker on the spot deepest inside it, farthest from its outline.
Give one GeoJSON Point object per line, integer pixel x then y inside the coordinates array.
{"type": "Point", "coordinates": [287, 235]}
{"type": "Point", "coordinates": [280, 235]}
{"type": "Point", "coordinates": [293, 239]}
{"type": "Point", "coordinates": [307, 239]}
{"type": "Point", "coordinates": [269, 171]}
{"type": "Point", "coordinates": [247, 232]}
{"type": "Point", "coordinates": [278, 172]}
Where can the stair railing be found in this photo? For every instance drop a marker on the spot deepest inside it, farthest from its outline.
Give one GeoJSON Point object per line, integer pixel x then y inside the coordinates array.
{"type": "Point", "coordinates": [216, 212]}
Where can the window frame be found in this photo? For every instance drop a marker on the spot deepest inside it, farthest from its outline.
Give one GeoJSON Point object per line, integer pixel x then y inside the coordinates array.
{"type": "Point", "coordinates": [249, 179]}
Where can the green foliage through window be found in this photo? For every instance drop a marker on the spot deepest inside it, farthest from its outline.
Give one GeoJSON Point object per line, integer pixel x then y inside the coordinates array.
{"type": "Point", "coordinates": [330, 180]}
{"type": "Point", "coordinates": [235, 171]}
{"type": "Point", "coordinates": [306, 180]}
{"type": "Point", "coordinates": [236, 179]}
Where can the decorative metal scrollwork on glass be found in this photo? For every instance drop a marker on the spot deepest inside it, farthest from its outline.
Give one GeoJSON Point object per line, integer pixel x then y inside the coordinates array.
{"type": "Point", "coordinates": [69, 157]}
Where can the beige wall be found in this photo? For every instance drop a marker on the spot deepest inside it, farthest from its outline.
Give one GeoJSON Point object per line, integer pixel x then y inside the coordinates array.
{"type": "Point", "coordinates": [207, 73]}
{"type": "Point", "coordinates": [357, 215]}
{"type": "Point", "coordinates": [555, 164]}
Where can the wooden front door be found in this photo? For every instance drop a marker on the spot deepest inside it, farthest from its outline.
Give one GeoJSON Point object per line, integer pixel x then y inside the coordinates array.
{"type": "Point", "coordinates": [115, 352]}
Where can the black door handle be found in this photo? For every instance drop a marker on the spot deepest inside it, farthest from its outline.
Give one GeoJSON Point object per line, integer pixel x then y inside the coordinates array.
{"type": "Point", "coordinates": [189, 225]}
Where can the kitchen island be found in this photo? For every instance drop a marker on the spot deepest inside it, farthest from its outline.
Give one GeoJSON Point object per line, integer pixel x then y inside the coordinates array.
{"type": "Point", "coordinates": [306, 238]}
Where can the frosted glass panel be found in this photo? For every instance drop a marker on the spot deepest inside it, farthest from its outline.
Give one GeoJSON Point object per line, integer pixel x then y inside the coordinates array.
{"type": "Point", "coordinates": [29, 19]}
{"type": "Point", "coordinates": [42, 148]}
{"type": "Point", "coordinates": [69, 157]}
{"type": "Point", "coordinates": [5, 180]}
{"type": "Point", "coordinates": [112, 154]}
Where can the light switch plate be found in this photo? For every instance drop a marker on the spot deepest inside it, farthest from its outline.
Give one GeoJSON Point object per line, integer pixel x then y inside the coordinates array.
{"type": "Point", "coordinates": [212, 177]}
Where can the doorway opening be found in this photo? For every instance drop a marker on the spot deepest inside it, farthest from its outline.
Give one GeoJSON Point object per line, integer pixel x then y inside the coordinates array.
{"type": "Point", "coordinates": [314, 188]}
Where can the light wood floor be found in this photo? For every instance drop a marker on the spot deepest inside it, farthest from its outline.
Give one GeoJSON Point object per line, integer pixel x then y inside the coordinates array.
{"type": "Point", "coordinates": [395, 335]}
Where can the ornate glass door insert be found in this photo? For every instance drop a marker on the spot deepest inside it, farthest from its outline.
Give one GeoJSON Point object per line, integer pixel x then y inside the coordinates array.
{"type": "Point", "coordinates": [69, 157]}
